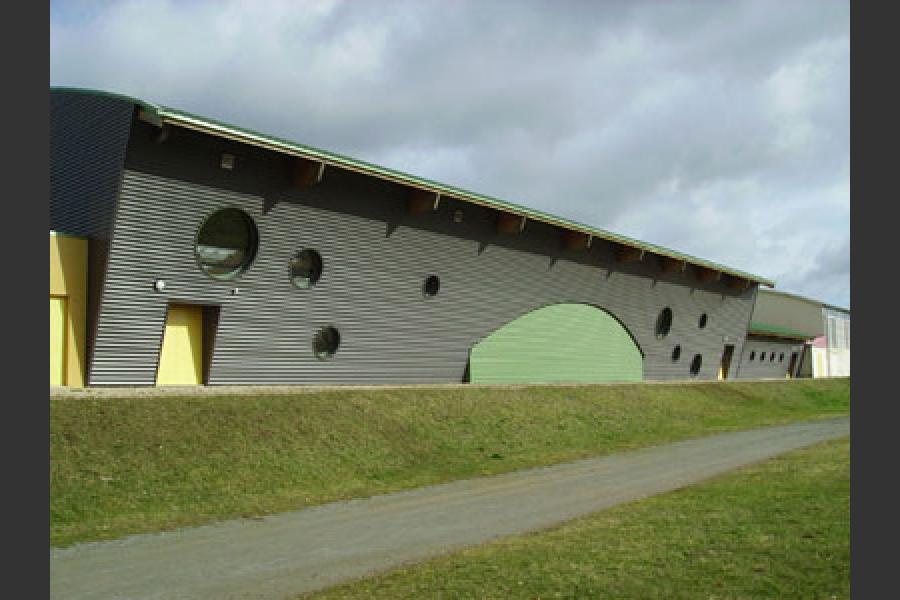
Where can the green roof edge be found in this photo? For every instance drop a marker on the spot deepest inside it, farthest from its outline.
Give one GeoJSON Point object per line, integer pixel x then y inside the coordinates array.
{"type": "Point", "coordinates": [184, 118]}
{"type": "Point", "coordinates": [759, 327]}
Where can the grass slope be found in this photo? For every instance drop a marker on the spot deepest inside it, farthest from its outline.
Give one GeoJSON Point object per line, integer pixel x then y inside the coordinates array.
{"type": "Point", "coordinates": [780, 529]}
{"type": "Point", "coordinates": [129, 465]}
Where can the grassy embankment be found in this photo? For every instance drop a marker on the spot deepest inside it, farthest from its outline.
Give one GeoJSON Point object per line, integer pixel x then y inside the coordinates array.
{"type": "Point", "coordinates": [130, 465]}
{"type": "Point", "coordinates": [779, 529]}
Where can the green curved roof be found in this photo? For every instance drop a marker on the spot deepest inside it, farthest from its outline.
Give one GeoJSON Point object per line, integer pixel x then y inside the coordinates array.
{"type": "Point", "coordinates": [768, 329]}
{"type": "Point", "coordinates": [161, 115]}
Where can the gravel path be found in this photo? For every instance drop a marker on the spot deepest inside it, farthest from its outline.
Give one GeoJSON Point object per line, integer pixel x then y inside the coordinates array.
{"type": "Point", "coordinates": [284, 555]}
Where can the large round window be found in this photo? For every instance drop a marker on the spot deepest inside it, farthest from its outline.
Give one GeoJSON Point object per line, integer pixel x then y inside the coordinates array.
{"type": "Point", "coordinates": [226, 243]}
{"type": "Point", "coordinates": [664, 323]}
{"type": "Point", "coordinates": [305, 268]}
{"type": "Point", "coordinates": [326, 342]}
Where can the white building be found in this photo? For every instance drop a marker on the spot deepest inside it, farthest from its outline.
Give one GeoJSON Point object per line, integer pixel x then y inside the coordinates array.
{"type": "Point", "coordinates": [831, 352]}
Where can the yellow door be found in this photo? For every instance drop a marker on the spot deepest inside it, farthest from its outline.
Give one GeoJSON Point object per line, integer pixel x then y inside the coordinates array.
{"type": "Point", "coordinates": [181, 356]}
{"type": "Point", "coordinates": [57, 341]}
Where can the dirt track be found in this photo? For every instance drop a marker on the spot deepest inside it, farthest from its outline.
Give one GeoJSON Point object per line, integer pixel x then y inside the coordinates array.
{"type": "Point", "coordinates": [284, 555]}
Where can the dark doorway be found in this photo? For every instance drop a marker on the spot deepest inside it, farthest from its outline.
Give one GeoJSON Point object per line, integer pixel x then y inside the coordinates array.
{"type": "Point", "coordinates": [792, 366]}
{"type": "Point", "coordinates": [210, 326]}
{"type": "Point", "coordinates": [726, 361]}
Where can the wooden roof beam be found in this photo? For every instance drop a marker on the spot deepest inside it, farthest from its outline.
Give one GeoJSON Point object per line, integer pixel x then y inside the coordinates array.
{"type": "Point", "coordinates": [738, 283]}
{"type": "Point", "coordinates": [508, 223]}
{"type": "Point", "coordinates": [626, 254]}
{"type": "Point", "coordinates": [575, 240]}
{"type": "Point", "coordinates": [421, 201]}
{"type": "Point", "coordinates": [704, 274]}
{"type": "Point", "coordinates": [307, 172]}
{"type": "Point", "coordinates": [672, 265]}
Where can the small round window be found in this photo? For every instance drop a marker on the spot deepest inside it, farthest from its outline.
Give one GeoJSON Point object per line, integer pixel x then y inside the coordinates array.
{"type": "Point", "coordinates": [326, 342]}
{"type": "Point", "coordinates": [226, 243]}
{"type": "Point", "coordinates": [664, 323]}
{"type": "Point", "coordinates": [432, 285]}
{"type": "Point", "coordinates": [305, 269]}
{"type": "Point", "coordinates": [695, 365]}
{"type": "Point", "coordinates": [676, 353]}
{"type": "Point", "coordinates": [752, 355]}
{"type": "Point", "coordinates": [702, 322]}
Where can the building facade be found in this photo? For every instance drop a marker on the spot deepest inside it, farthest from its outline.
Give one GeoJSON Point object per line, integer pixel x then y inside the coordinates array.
{"type": "Point", "coordinates": [794, 336]}
{"type": "Point", "coordinates": [831, 351]}
{"type": "Point", "coordinates": [218, 255]}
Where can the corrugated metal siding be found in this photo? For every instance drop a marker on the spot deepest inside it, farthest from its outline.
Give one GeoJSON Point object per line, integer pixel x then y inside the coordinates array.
{"type": "Point", "coordinates": [376, 258]}
{"type": "Point", "coordinates": [559, 343]}
{"type": "Point", "coordinates": [756, 369]}
{"type": "Point", "coordinates": [788, 312]}
{"type": "Point", "coordinates": [88, 140]}
{"type": "Point", "coordinates": [88, 137]}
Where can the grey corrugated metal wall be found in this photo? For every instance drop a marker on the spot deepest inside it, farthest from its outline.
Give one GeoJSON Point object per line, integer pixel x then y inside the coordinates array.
{"type": "Point", "coordinates": [757, 369]}
{"type": "Point", "coordinates": [88, 138]}
{"type": "Point", "coordinates": [376, 258]}
{"type": "Point", "coordinates": [789, 312]}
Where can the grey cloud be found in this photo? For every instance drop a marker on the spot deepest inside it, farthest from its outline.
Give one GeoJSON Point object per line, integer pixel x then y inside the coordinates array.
{"type": "Point", "coordinates": [711, 127]}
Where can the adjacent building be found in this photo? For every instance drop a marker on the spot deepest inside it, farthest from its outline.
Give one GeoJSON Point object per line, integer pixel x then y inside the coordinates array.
{"type": "Point", "coordinates": [781, 328]}
{"type": "Point", "coordinates": [794, 336]}
{"type": "Point", "coordinates": [194, 252]}
{"type": "Point", "coordinates": [831, 351]}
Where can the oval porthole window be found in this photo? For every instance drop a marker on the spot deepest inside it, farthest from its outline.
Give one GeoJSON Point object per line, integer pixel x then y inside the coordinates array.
{"type": "Point", "coordinates": [326, 342]}
{"type": "Point", "coordinates": [305, 269]}
{"type": "Point", "coordinates": [432, 285]}
{"type": "Point", "coordinates": [664, 323]}
{"type": "Point", "coordinates": [695, 365]}
{"type": "Point", "coordinates": [702, 322]}
{"type": "Point", "coordinates": [676, 353]}
{"type": "Point", "coordinates": [226, 243]}
{"type": "Point", "coordinates": [781, 357]}
{"type": "Point", "coordinates": [752, 355]}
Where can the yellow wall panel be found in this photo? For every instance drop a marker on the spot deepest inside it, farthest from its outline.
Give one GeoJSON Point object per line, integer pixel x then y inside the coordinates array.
{"type": "Point", "coordinates": [181, 355]}
{"type": "Point", "coordinates": [68, 279]}
{"type": "Point", "coordinates": [57, 341]}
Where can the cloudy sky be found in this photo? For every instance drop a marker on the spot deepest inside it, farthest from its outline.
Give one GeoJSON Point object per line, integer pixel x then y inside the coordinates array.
{"type": "Point", "coordinates": [720, 129]}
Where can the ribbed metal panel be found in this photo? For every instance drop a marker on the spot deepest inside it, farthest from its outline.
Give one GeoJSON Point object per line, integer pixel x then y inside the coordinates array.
{"type": "Point", "coordinates": [88, 137]}
{"type": "Point", "coordinates": [558, 343]}
{"type": "Point", "coordinates": [376, 257]}
{"type": "Point", "coordinates": [757, 369]}
{"type": "Point", "coordinates": [88, 140]}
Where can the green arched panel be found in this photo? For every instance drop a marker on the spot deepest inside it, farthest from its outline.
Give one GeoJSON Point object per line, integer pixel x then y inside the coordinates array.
{"type": "Point", "coordinates": [558, 343]}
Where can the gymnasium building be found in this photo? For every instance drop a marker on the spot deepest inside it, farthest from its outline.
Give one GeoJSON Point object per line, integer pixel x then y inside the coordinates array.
{"type": "Point", "coordinates": [188, 251]}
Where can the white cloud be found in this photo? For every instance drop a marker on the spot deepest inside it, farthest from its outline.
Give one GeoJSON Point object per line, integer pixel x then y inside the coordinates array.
{"type": "Point", "coordinates": [719, 129]}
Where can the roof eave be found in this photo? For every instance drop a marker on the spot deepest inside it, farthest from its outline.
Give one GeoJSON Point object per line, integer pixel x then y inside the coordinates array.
{"type": "Point", "coordinates": [160, 115]}
{"type": "Point", "coordinates": [164, 116]}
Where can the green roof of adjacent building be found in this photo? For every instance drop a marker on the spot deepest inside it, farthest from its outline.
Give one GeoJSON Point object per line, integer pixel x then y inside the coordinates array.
{"type": "Point", "coordinates": [759, 328]}
{"type": "Point", "coordinates": [162, 115]}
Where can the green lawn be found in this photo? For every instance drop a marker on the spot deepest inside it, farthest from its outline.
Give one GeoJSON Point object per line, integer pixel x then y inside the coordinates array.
{"type": "Point", "coordinates": [121, 466]}
{"type": "Point", "coordinates": [779, 529]}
